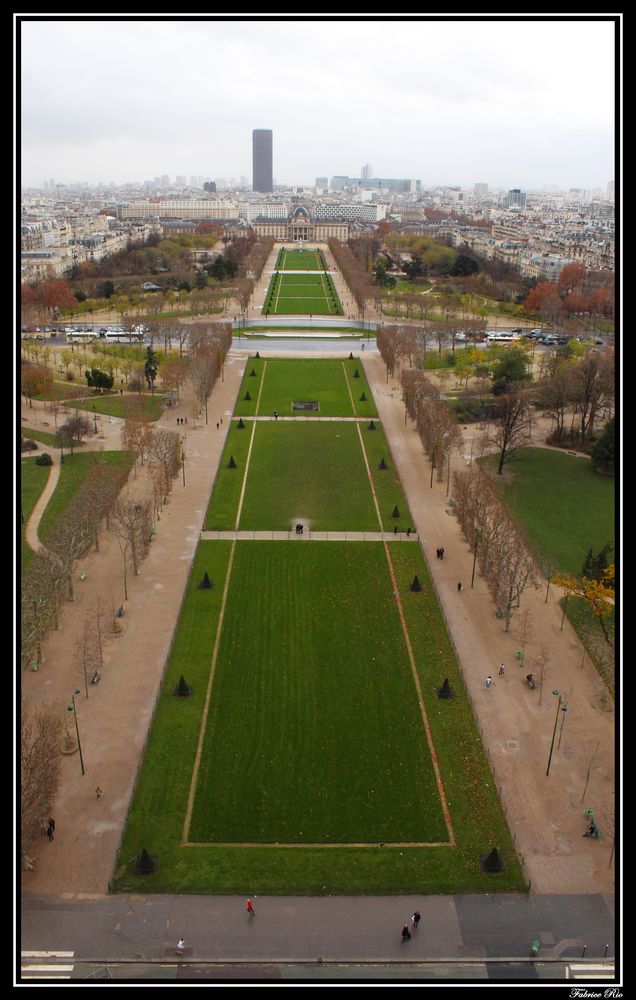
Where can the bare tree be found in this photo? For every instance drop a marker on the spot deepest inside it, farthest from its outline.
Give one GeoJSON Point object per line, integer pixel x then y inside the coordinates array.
{"type": "Point", "coordinates": [87, 649]}
{"type": "Point", "coordinates": [590, 759]}
{"type": "Point", "coordinates": [130, 523]}
{"type": "Point", "coordinates": [510, 417]}
{"type": "Point", "coordinates": [39, 774]}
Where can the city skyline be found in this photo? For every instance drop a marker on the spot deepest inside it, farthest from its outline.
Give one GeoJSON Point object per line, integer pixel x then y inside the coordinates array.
{"type": "Point", "coordinates": [448, 102]}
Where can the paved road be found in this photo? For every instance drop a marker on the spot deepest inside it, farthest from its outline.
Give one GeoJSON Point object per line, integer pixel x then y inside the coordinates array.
{"type": "Point", "coordinates": [485, 937]}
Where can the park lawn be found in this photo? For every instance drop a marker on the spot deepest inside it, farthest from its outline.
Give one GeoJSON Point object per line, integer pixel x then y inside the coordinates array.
{"type": "Point", "coordinates": [564, 505]}
{"type": "Point", "coordinates": [44, 437]}
{"type": "Point", "coordinates": [302, 294]}
{"type": "Point", "coordinates": [386, 482]}
{"type": "Point", "coordinates": [314, 733]}
{"type": "Point", "coordinates": [73, 471]}
{"type": "Point", "coordinates": [300, 260]}
{"type": "Point", "coordinates": [118, 405]}
{"type": "Point", "coordinates": [278, 592]}
{"type": "Point", "coordinates": [226, 490]}
{"type": "Point", "coordinates": [326, 381]}
{"type": "Point", "coordinates": [33, 479]}
{"type": "Point", "coordinates": [312, 472]}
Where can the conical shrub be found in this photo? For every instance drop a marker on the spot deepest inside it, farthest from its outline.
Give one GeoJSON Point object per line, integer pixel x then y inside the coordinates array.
{"type": "Point", "coordinates": [363, 398]}
{"type": "Point", "coordinates": [183, 689]}
{"type": "Point", "coordinates": [240, 426]}
{"type": "Point", "coordinates": [445, 691]}
{"type": "Point", "coordinates": [145, 864]}
{"type": "Point", "coordinates": [493, 862]}
{"type": "Point", "coordinates": [206, 583]}
{"type": "Point", "coordinates": [382, 464]}
{"type": "Point", "coordinates": [231, 464]}
{"type": "Point", "coordinates": [396, 512]}
{"type": "Point", "coordinates": [247, 396]}
{"type": "Point", "coordinates": [416, 586]}
{"type": "Point", "coordinates": [372, 426]}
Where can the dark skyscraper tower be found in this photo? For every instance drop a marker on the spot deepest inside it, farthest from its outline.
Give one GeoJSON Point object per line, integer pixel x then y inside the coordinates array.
{"type": "Point", "coordinates": [262, 160]}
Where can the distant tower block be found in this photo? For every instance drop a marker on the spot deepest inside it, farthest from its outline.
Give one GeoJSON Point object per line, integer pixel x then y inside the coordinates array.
{"type": "Point", "coordinates": [262, 160]}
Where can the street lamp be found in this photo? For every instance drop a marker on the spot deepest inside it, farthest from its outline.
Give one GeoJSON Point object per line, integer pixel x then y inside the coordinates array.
{"type": "Point", "coordinates": [472, 579]}
{"type": "Point", "coordinates": [183, 457]}
{"type": "Point", "coordinates": [95, 418]}
{"type": "Point", "coordinates": [71, 708]}
{"type": "Point", "coordinates": [562, 708]}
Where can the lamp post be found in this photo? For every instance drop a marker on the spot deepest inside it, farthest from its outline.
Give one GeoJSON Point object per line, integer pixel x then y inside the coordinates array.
{"type": "Point", "coordinates": [71, 708]}
{"type": "Point", "coordinates": [95, 418]}
{"type": "Point", "coordinates": [556, 720]}
{"type": "Point", "coordinates": [472, 579]}
{"type": "Point", "coordinates": [564, 709]}
{"type": "Point", "coordinates": [183, 457]}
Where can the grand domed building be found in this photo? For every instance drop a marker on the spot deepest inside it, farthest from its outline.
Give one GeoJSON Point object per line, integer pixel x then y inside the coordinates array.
{"type": "Point", "coordinates": [301, 226]}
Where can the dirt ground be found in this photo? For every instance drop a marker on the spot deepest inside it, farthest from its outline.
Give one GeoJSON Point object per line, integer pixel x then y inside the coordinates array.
{"type": "Point", "coordinates": [545, 812]}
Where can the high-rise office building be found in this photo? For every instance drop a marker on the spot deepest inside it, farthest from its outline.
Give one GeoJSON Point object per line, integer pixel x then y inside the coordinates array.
{"type": "Point", "coordinates": [367, 172]}
{"type": "Point", "coordinates": [262, 160]}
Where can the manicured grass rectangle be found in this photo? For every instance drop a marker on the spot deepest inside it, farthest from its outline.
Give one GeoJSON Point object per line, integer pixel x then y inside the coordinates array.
{"type": "Point", "coordinates": [332, 383]}
{"type": "Point", "coordinates": [300, 260]}
{"type": "Point", "coordinates": [302, 294]}
{"type": "Point", "coordinates": [276, 693]}
{"type": "Point", "coordinates": [314, 733]}
{"type": "Point", "coordinates": [312, 472]}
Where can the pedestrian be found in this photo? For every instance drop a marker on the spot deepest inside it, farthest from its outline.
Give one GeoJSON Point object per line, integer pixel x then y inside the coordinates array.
{"type": "Point", "coordinates": [98, 792]}
{"type": "Point", "coordinates": [437, 553]}
{"type": "Point", "coordinates": [441, 553]}
{"type": "Point", "coordinates": [501, 669]}
{"type": "Point", "coordinates": [488, 682]}
{"type": "Point", "coordinates": [217, 425]}
{"type": "Point", "coordinates": [406, 934]}
{"type": "Point", "coordinates": [460, 587]}
{"type": "Point", "coordinates": [250, 908]}
{"type": "Point", "coordinates": [415, 919]}
{"type": "Point", "coordinates": [50, 828]}
{"type": "Point", "coordinates": [180, 947]}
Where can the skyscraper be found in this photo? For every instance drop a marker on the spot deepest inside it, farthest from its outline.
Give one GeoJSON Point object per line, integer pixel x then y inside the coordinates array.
{"type": "Point", "coordinates": [262, 160]}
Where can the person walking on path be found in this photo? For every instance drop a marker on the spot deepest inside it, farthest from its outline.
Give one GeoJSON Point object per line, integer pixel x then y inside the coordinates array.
{"type": "Point", "coordinates": [501, 669]}
{"type": "Point", "coordinates": [488, 682]}
{"type": "Point", "coordinates": [250, 908]}
{"type": "Point", "coordinates": [50, 829]}
{"type": "Point", "coordinates": [98, 792]}
{"type": "Point", "coordinates": [406, 934]}
{"type": "Point", "coordinates": [441, 553]}
{"type": "Point", "coordinates": [415, 919]}
{"type": "Point", "coordinates": [180, 947]}
{"type": "Point", "coordinates": [460, 587]}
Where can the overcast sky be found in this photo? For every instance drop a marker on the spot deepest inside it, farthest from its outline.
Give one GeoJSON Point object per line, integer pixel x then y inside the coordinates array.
{"type": "Point", "coordinates": [513, 103]}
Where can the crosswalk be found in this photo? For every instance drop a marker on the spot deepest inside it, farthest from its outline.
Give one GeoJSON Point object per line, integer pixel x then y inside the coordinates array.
{"type": "Point", "coordinates": [589, 972]}
{"type": "Point", "coordinates": [46, 964]}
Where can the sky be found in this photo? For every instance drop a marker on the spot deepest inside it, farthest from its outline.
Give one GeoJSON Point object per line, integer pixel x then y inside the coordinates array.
{"type": "Point", "coordinates": [511, 102]}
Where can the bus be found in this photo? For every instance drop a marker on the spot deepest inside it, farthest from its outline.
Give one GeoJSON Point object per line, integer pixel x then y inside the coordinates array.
{"type": "Point", "coordinates": [79, 336]}
{"type": "Point", "coordinates": [134, 336]}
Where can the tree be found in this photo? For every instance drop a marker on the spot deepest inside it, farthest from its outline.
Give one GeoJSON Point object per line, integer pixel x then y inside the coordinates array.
{"type": "Point", "coordinates": [130, 524]}
{"type": "Point", "coordinates": [511, 368]}
{"type": "Point", "coordinates": [151, 366]}
{"type": "Point", "coordinates": [75, 429]}
{"type": "Point", "coordinates": [598, 594]}
{"type": "Point", "coordinates": [39, 774]}
{"type": "Point", "coordinates": [603, 453]}
{"type": "Point", "coordinates": [98, 379]}
{"type": "Point", "coordinates": [35, 381]}
{"type": "Point", "coordinates": [510, 415]}
{"type": "Point", "coordinates": [88, 648]}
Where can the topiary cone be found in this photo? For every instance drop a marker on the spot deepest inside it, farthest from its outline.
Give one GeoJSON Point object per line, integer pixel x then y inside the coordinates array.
{"type": "Point", "coordinates": [416, 586]}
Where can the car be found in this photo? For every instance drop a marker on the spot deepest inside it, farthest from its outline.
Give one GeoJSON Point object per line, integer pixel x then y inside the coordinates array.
{"type": "Point", "coordinates": [599, 341]}
{"type": "Point", "coordinates": [518, 329]}
{"type": "Point", "coordinates": [536, 332]}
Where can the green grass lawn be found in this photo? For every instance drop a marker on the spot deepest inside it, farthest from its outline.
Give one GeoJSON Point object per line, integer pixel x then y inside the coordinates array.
{"type": "Point", "coordinates": [331, 383]}
{"type": "Point", "coordinates": [300, 260]}
{"type": "Point", "coordinates": [563, 504]}
{"type": "Point", "coordinates": [33, 479]}
{"type": "Point", "coordinates": [565, 507]}
{"type": "Point", "coordinates": [312, 471]}
{"type": "Point", "coordinates": [118, 406]}
{"type": "Point", "coordinates": [302, 294]}
{"type": "Point", "coordinates": [72, 475]}
{"type": "Point", "coordinates": [313, 737]}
